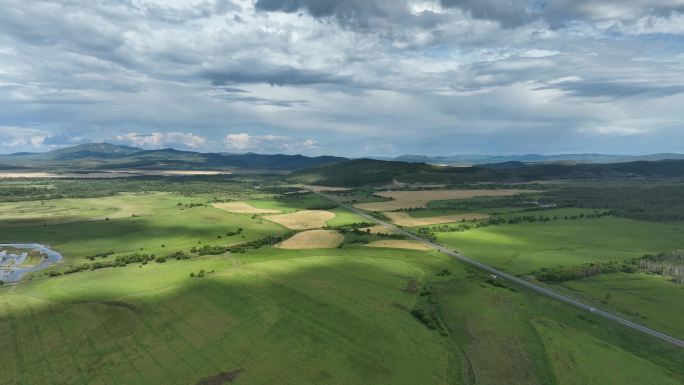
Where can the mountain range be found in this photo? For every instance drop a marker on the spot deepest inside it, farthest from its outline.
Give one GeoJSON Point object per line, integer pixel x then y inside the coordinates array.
{"type": "Point", "coordinates": [359, 172]}
{"type": "Point", "coordinates": [105, 156]}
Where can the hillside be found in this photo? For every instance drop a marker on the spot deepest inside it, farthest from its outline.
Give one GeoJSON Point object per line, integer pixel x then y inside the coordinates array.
{"type": "Point", "coordinates": [469, 160]}
{"type": "Point", "coordinates": [104, 156]}
{"type": "Point", "coordinates": [368, 171]}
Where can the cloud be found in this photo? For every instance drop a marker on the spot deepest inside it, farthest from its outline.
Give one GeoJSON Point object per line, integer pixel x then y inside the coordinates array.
{"type": "Point", "coordinates": [273, 75]}
{"type": "Point", "coordinates": [266, 143]}
{"type": "Point", "coordinates": [613, 130]}
{"type": "Point", "coordinates": [617, 89]}
{"type": "Point", "coordinates": [21, 137]}
{"type": "Point", "coordinates": [163, 139]}
{"type": "Point", "coordinates": [323, 76]}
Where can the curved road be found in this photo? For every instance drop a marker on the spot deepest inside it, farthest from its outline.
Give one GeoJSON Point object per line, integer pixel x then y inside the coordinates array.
{"type": "Point", "coordinates": [512, 278]}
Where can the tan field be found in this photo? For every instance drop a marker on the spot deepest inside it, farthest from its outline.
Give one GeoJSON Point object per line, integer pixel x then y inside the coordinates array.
{"type": "Point", "coordinates": [243, 208]}
{"type": "Point", "coordinates": [377, 230]}
{"type": "Point", "coordinates": [313, 239]}
{"type": "Point", "coordinates": [418, 199]}
{"type": "Point", "coordinates": [399, 244]}
{"type": "Point", "coordinates": [403, 219]}
{"type": "Point", "coordinates": [303, 220]}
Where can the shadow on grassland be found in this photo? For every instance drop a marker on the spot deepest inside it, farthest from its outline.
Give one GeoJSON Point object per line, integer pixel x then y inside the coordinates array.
{"type": "Point", "coordinates": [308, 320]}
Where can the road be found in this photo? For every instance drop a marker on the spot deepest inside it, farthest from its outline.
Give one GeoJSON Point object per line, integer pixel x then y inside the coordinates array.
{"type": "Point", "coordinates": [511, 278]}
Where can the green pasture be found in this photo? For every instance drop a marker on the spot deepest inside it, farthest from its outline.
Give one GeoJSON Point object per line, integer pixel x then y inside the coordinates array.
{"type": "Point", "coordinates": [525, 247]}
{"type": "Point", "coordinates": [332, 316]}
{"type": "Point", "coordinates": [162, 228]}
{"type": "Point", "coordinates": [306, 317]}
{"type": "Point", "coordinates": [649, 299]}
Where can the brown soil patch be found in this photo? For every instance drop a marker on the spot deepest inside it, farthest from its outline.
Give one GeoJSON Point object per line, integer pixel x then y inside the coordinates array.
{"type": "Point", "coordinates": [243, 208]}
{"type": "Point", "coordinates": [312, 239]}
{"type": "Point", "coordinates": [303, 220]}
{"type": "Point", "coordinates": [399, 244]}
{"type": "Point", "coordinates": [403, 219]}
{"type": "Point", "coordinates": [418, 199]}
{"type": "Point", "coordinates": [221, 378]}
{"type": "Point", "coordinates": [377, 230]}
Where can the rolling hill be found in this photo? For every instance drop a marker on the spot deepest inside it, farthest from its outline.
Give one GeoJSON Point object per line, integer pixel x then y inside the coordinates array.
{"type": "Point", "coordinates": [369, 171]}
{"type": "Point", "coordinates": [469, 160]}
{"type": "Point", "coordinates": [104, 156]}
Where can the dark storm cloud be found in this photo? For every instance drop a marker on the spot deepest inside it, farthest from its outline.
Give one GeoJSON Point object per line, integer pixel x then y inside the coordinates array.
{"type": "Point", "coordinates": [509, 13]}
{"type": "Point", "coordinates": [512, 13]}
{"type": "Point", "coordinates": [356, 13]}
{"type": "Point", "coordinates": [344, 9]}
{"type": "Point", "coordinates": [273, 75]}
{"type": "Point", "coordinates": [615, 89]}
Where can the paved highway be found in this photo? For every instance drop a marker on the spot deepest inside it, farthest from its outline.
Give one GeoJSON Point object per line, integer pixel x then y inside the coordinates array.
{"type": "Point", "coordinates": [512, 278]}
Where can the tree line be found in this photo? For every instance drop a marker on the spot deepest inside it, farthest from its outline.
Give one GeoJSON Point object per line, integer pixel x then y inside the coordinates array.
{"type": "Point", "coordinates": [668, 263]}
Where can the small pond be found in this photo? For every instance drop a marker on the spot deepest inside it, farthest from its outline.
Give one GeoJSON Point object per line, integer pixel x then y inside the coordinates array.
{"type": "Point", "coordinates": [17, 259]}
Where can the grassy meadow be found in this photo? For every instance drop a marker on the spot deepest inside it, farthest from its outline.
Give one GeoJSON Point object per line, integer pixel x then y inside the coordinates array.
{"type": "Point", "coordinates": [348, 315]}
{"type": "Point", "coordinates": [308, 317]}
{"type": "Point", "coordinates": [526, 247]}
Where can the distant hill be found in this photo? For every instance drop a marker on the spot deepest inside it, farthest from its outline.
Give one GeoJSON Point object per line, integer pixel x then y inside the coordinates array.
{"type": "Point", "coordinates": [533, 158]}
{"type": "Point", "coordinates": [369, 172]}
{"type": "Point", "coordinates": [104, 156]}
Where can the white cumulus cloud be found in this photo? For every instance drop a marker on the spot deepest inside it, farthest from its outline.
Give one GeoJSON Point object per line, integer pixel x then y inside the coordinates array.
{"type": "Point", "coordinates": [164, 139]}
{"type": "Point", "coordinates": [266, 143]}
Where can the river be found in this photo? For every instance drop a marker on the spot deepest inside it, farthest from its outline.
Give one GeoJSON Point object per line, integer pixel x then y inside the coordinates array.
{"type": "Point", "coordinates": [15, 272]}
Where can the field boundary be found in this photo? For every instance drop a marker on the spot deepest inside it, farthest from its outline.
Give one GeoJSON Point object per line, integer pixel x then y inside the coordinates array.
{"type": "Point", "coordinates": [511, 278]}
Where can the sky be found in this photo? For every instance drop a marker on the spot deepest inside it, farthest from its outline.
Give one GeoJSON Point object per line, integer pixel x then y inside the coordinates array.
{"type": "Point", "coordinates": [346, 77]}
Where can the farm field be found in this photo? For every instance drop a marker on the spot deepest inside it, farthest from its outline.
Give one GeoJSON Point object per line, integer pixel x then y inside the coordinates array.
{"type": "Point", "coordinates": [526, 247]}
{"type": "Point", "coordinates": [312, 239]}
{"type": "Point", "coordinates": [303, 220]}
{"type": "Point", "coordinates": [417, 199]}
{"type": "Point", "coordinates": [406, 220]}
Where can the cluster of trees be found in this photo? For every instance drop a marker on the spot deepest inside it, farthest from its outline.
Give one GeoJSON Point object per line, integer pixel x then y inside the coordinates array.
{"type": "Point", "coordinates": [526, 200]}
{"type": "Point", "coordinates": [428, 311]}
{"type": "Point", "coordinates": [120, 261]}
{"type": "Point", "coordinates": [670, 263]}
{"type": "Point", "coordinates": [513, 220]}
{"type": "Point", "coordinates": [666, 263]}
{"type": "Point", "coordinates": [356, 235]}
{"type": "Point", "coordinates": [191, 205]}
{"type": "Point", "coordinates": [652, 202]}
{"type": "Point", "coordinates": [100, 255]}
{"type": "Point", "coordinates": [94, 188]}
{"type": "Point", "coordinates": [568, 273]}
{"type": "Point", "coordinates": [143, 258]}
{"type": "Point", "coordinates": [199, 274]}
{"type": "Point", "coordinates": [239, 248]}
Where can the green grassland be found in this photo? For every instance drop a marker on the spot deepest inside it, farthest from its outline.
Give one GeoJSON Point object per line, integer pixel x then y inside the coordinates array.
{"type": "Point", "coordinates": [526, 247]}
{"type": "Point", "coordinates": [333, 316]}
{"type": "Point", "coordinates": [648, 298]}
{"type": "Point", "coordinates": [304, 317]}
{"type": "Point", "coordinates": [28, 213]}
{"type": "Point", "coordinates": [167, 224]}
